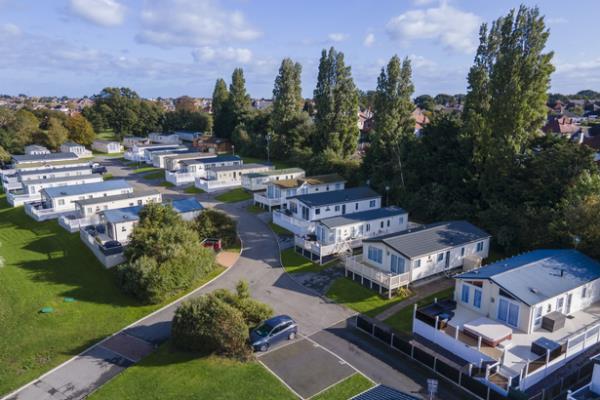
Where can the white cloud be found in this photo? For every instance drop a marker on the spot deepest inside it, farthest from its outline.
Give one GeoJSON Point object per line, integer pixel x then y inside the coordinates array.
{"type": "Point", "coordinates": [192, 23]}
{"type": "Point", "coordinates": [451, 27]}
{"type": "Point", "coordinates": [10, 30]}
{"type": "Point", "coordinates": [424, 2]}
{"type": "Point", "coordinates": [369, 40]}
{"type": "Point", "coordinates": [99, 12]}
{"type": "Point", "coordinates": [337, 37]}
{"type": "Point", "coordinates": [556, 20]}
{"type": "Point", "coordinates": [420, 62]}
{"type": "Point", "coordinates": [207, 53]}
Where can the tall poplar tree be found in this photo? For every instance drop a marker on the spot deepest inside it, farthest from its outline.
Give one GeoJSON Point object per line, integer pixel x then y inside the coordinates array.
{"type": "Point", "coordinates": [220, 109]}
{"type": "Point", "coordinates": [394, 125]}
{"type": "Point", "coordinates": [287, 115]}
{"type": "Point", "coordinates": [336, 104]}
{"type": "Point", "coordinates": [239, 100]}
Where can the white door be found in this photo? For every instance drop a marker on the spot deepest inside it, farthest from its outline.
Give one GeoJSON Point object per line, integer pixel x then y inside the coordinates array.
{"type": "Point", "coordinates": [560, 304]}
{"type": "Point", "coordinates": [569, 301]}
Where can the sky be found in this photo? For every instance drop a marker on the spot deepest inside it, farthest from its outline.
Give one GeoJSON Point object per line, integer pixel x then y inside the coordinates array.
{"type": "Point", "coordinates": [171, 48]}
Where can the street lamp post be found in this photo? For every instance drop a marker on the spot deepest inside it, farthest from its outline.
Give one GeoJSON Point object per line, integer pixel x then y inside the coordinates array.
{"type": "Point", "coordinates": [233, 149]}
{"type": "Point", "coordinates": [387, 190]}
{"type": "Point", "coordinates": [269, 136]}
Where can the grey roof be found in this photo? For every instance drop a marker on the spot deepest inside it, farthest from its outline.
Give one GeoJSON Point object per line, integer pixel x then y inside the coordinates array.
{"type": "Point", "coordinates": [337, 196]}
{"type": "Point", "coordinates": [211, 160]}
{"type": "Point", "coordinates": [45, 157]}
{"type": "Point", "coordinates": [36, 147]}
{"type": "Point", "coordinates": [71, 143]}
{"type": "Point", "coordinates": [86, 188]}
{"type": "Point", "coordinates": [116, 197]}
{"type": "Point", "coordinates": [432, 238]}
{"type": "Point", "coordinates": [133, 213]}
{"type": "Point", "coordinates": [106, 141]}
{"type": "Point", "coordinates": [61, 179]}
{"type": "Point", "coordinates": [241, 167]}
{"type": "Point", "coordinates": [368, 215]}
{"type": "Point", "coordinates": [53, 170]}
{"type": "Point", "coordinates": [275, 172]}
{"type": "Point", "coordinates": [540, 274]}
{"type": "Point", "coordinates": [172, 150]}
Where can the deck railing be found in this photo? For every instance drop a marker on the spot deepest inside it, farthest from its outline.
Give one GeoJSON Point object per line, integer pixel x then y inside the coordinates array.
{"type": "Point", "coordinates": [389, 280]}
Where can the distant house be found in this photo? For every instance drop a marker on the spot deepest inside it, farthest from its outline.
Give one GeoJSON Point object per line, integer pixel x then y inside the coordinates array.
{"type": "Point", "coordinates": [420, 120]}
{"type": "Point", "coordinates": [212, 144]}
{"type": "Point", "coordinates": [130, 141]}
{"type": "Point", "coordinates": [279, 190]}
{"type": "Point", "coordinates": [561, 125]}
{"type": "Point", "coordinates": [302, 211]}
{"type": "Point", "coordinates": [107, 146]}
{"type": "Point", "coordinates": [34, 150]}
{"type": "Point", "coordinates": [188, 136]}
{"type": "Point", "coordinates": [260, 180]}
{"type": "Point", "coordinates": [594, 143]}
{"type": "Point", "coordinates": [143, 152]}
{"type": "Point", "coordinates": [60, 200]}
{"type": "Point", "coordinates": [164, 138]}
{"type": "Point", "coordinates": [72, 147]}
{"type": "Point", "coordinates": [42, 159]}
{"type": "Point", "coordinates": [219, 178]}
{"type": "Point", "coordinates": [520, 319]}
{"type": "Point", "coordinates": [421, 252]}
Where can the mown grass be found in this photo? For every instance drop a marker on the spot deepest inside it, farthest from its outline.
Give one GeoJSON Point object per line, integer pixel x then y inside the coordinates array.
{"type": "Point", "coordinates": [158, 174]}
{"type": "Point", "coordinates": [172, 374]}
{"type": "Point", "coordinates": [40, 265]}
{"type": "Point", "coordinates": [234, 196]}
{"type": "Point", "coordinates": [193, 190]}
{"type": "Point", "coordinates": [143, 170]}
{"type": "Point", "coordinates": [359, 298]}
{"type": "Point", "coordinates": [276, 163]}
{"type": "Point", "coordinates": [254, 209]}
{"type": "Point", "coordinates": [402, 320]}
{"type": "Point", "coordinates": [107, 177]}
{"type": "Point", "coordinates": [294, 263]}
{"type": "Point", "coordinates": [280, 230]}
{"type": "Point", "coordinates": [345, 389]}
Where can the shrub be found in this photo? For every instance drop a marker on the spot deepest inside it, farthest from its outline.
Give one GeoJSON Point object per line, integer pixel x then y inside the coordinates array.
{"type": "Point", "coordinates": [253, 311]}
{"type": "Point", "coordinates": [210, 325]}
{"type": "Point", "coordinates": [216, 224]}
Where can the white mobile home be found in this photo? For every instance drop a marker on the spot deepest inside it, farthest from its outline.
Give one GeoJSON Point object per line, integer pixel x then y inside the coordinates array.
{"type": "Point", "coordinates": [343, 233]}
{"type": "Point", "coordinates": [174, 162]}
{"type": "Point", "coordinates": [16, 181]}
{"type": "Point", "coordinates": [130, 141]}
{"type": "Point", "coordinates": [41, 159]}
{"type": "Point", "coordinates": [259, 180]}
{"type": "Point", "coordinates": [164, 138]}
{"type": "Point", "coordinates": [279, 190]}
{"type": "Point", "coordinates": [87, 210]}
{"type": "Point", "coordinates": [72, 147]}
{"type": "Point", "coordinates": [161, 159]}
{"type": "Point", "coordinates": [107, 146]}
{"type": "Point", "coordinates": [60, 200]}
{"type": "Point", "coordinates": [31, 190]}
{"type": "Point", "coordinates": [303, 210]}
{"type": "Point", "coordinates": [138, 151]}
{"type": "Point", "coordinates": [528, 315]}
{"type": "Point", "coordinates": [199, 167]}
{"type": "Point", "coordinates": [34, 149]}
{"type": "Point", "coordinates": [219, 178]}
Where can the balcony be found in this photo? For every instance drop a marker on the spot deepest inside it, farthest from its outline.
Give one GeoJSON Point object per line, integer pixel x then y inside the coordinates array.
{"type": "Point", "coordinates": [518, 364]}
{"type": "Point", "coordinates": [261, 198]}
{"type": "Point", "coordinates": [73, 223]}
{"type": "Point", "coordinates": [213, 185]}
{"type": "Point", "coordinates": [40, 212]}
{"type": "Point", "coordinates": [19, 197]}
{"type": "Point", "coordinates": [109, 257]}
{"type": "Point", "coordinates": [385, 280]}
{"type": "Point", "coordinates": [322, 250]}
{"type": "Point", "coordinates": [178, 178]}
{"type": "Point", "coordinates": [295, 225]}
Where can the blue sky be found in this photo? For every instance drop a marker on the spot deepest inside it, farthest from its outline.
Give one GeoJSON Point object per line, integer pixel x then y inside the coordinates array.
{"type": "Point", "coordinates": [176, 47]}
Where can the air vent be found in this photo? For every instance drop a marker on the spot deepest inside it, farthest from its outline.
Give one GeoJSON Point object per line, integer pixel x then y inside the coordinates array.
{"type": "Point", "coordinates": [534, 290]}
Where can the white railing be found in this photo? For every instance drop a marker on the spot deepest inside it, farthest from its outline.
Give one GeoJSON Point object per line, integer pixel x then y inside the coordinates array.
{"type": "Point", "coordinates": [388, 280]}
{"type": "Point", "coordinates": [213, 185]}
{"type": "Point", "coordinates": [107, 260]}
{"type": "Point", "coordinates": [295, 225]}
{"type": "Point", "coordinates": [262, 199]}
{"type": "Point", "coordinates": [179, 178]}
{"type": "Point", "coordinates": [74, 224]}
{"type": "Point", "coordinates": [323, 250]}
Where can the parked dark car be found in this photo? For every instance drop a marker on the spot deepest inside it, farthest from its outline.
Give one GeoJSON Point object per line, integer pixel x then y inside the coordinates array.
{"type": "Point", "coordinates": [272, 331]}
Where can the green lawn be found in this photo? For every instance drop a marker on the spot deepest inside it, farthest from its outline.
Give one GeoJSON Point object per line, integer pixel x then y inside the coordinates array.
{"type": "Point", "coordinates": [172, 374]}
{"type": "Point", "coordinates": [106, 135]}
{"type": "Point", "coordinates": [107, 177]}
{"type": "Point", "coordinates": [346, 389]}
{"type": "Point", "coordinates": [359, 298]}
{"type": "Point", "coordinates": [111, 155]}
{"type": "Point", "coordinates": [193, 190]}
{"type": "Point", "coordinates": [254, 209]}
{"type": "Point", "coordinates": [402, 320]}
{"type": "Point", "coordinates": [280, 230]}
{"type": "Point", "coordinates": [143, 170]}
{"type": "Point", "coordinates": [295, 263]}
{"type": "Point", "coordinates": [234, 195]}
{"type": "Point", "coordinates": [159, 174]}
{"type": "Point", "coordinates": [41, 265]}
{"type": "Point", "coordinates": [166, 184]}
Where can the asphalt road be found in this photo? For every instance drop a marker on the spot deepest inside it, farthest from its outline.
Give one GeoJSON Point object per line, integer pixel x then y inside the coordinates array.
{"type": "Point", "coordinates": [323, 321]}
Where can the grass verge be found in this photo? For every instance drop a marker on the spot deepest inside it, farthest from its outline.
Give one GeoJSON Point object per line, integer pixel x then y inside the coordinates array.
{"type": "Point", "coordinates": [142, 170]}
{"type": "Point", "coordinates": [359, 298]}
{"type": "Point", "coordinates": [107, 177]}
{"type": "Point", "coordinates": [193, 190]}
{"type": "Point", "coordinates": [172, 374]}
{"type": "Point", "coordinates": [254, 209]}
{"type": "Point", "coordinates": [346, 389]}
{"type": "Point", "coordinates": [234, 195]}
{"type": "Point", "coordinates": [280, 230]}
{"type": "Point", "coordinates": [294, 263]}
{"type": "Point", "coordinates": [402, 320]}
{"type": "Point", "coordinates": [159, 174]}
{"type": "Point", "coordinates": [42, 265]}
